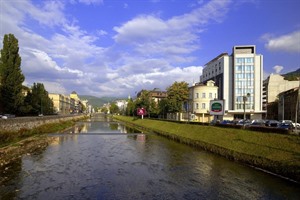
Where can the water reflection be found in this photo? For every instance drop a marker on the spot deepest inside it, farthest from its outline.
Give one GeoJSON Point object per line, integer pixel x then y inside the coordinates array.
{"type": "Point", "coordinates": [105, 160]}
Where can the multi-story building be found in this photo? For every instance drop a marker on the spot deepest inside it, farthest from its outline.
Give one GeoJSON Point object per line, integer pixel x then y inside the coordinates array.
{"type": "Point", "coordinates": [272, 87]}
{"type": "Point", "coordinates": [237, 76]}
{"type": "Point", "coordinates": [200, 96]}
{"type": "Point", "coordinates": [61, 103]}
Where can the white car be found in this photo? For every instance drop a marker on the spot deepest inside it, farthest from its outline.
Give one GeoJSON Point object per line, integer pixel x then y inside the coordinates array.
{"type": "Point", "coordinates": [294, 125]}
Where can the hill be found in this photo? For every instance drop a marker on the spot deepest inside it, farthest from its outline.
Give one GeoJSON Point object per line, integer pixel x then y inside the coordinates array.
{"type": "Point", "coordinates": [96, 101]}
{"type": "Point", "coordinates": [292, 76]}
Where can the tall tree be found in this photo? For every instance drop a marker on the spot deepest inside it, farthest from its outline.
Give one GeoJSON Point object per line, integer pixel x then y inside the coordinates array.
{"type": "Point", "coordinates": [11, 96]}
{"type": "Point", "coordinates": [38, 100]}
{"type": "Point", "coordinates": [178, 93]}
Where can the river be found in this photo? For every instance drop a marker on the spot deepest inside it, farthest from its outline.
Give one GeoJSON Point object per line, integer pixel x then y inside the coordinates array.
{"type": "Point", "coordinates": [102, 159]}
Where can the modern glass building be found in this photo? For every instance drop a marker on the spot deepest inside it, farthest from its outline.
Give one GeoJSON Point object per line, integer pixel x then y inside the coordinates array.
{"type": "Point", "coordinates": [239, 77]}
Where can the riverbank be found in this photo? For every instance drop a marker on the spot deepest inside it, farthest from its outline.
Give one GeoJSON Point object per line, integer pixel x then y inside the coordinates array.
{"type": "Point", "coordinates": [13, 144]}
{"type": "Point", "coordinates": [276, 153]}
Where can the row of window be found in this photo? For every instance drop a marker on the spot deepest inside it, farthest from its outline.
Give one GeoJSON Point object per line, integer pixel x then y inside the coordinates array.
{"type": "Point", "coordinates": [203, 96]}
{"type": "Point", "coordinates": [214, 69]}
{"type": "Point", "coordinates": [239, 99]}
{"type": "Point", "coordinates": [244, 60]}
{"type": "Point", "coordinates": [244, 83]}
{"type": "Point", "coordinates": [237, 105]}
{"type": "Point", "coordinates": [247, 106]}
{"type": "Point", "coordinates": [244, 67]}
{"type": "Point", "coordinates": [203, 106]}
{"type": "Point", "coordinates": [244, 75]}
{"type": "Point", "coordinates": [243, 91]}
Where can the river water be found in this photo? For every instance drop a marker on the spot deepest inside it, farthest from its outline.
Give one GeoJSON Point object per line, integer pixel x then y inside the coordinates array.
{"type": "Point", "coordinates": [106, 160]}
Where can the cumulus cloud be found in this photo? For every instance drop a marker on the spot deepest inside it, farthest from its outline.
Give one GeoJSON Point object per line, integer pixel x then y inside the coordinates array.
{"type": "Point", "coordinates": [174, 37]}
{"type": "Point", "coordinates": [148, 51]}
{"type": "Point", "coordinates": [288, 43]}
{"type": "Point", "coordinates": [278, 69]}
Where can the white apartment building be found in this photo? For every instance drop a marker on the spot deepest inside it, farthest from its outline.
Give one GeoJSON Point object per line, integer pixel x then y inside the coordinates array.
{"type": "Point", "coordinates": [237, 75]}
{"type": "Point", "coordinates": [200, 96]}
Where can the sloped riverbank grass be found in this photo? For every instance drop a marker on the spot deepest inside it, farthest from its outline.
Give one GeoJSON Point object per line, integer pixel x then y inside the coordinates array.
{"type": "Point", "coordinates": [10, 137]}
{"type": "Point", "coordinates": [276, 153]}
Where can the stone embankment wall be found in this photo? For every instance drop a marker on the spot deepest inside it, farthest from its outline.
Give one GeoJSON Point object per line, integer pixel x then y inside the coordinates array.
{"type": "Point", "coordinates": [15, 124]}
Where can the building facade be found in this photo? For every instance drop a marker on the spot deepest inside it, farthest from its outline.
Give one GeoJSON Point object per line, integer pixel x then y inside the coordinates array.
{"type": "Point", "coordinates": [272, 87]}
{"type": "Point", "coordinates": [200, 96]}
{"type": "Point", "coordinates": [237, 76]}
{"type": "Point", "coordinates": [288, 105]}
{"type": "Point", "coordinates": [61, 103]}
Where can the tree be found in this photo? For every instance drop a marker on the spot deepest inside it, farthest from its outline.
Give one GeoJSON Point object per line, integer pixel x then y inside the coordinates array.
{"type": "Point", "coordinates": [178, 93]}
{"type": "Point", "coordinates": [11, 96]}
{"type": "Point", "coordinates": [143, 101]}
{"type": "Point", "coordinates": [113, 108]}
{"type": "Point", "coordinates": [38, 100]}
{"type": "Point", "coordinates": [130, 108]}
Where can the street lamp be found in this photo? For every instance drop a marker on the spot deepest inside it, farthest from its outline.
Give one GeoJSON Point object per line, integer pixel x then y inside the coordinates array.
{"type": "Point", "coordinates": [245, 98]}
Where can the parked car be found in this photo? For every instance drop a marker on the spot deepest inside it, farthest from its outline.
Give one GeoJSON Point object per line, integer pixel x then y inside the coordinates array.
{"type": "Point", "coordinates": [286, 126]}
{"type": "Point", "coordinates": [6, 116]}
{"type": "Point", "coordinates": [294, 125]}
{"type": "Point", "coordinates": [226, 122]}
{"type": "Point", "coordinates": [258, 123]}
{"type": "Point", "coordinates": [272, 123]}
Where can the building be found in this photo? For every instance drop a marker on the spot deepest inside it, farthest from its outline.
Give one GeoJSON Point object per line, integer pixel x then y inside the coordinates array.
{"type": "Point", "coordinates": [156, 94]}
{"type": "Point", "coordinates": [272, 87]}
{"type": "Point", "coordinates": [61, 103]}
{"type": "Point", "coordinates": [288, 105]}
{"type": "Point", "coordinates": [78, 105]}
{"type": "Point", "coordinates": [122, 104]}
{"type": "Point", "coordinates": [238, 75]}
{"type": "Point", "coordinates": [200, 96]}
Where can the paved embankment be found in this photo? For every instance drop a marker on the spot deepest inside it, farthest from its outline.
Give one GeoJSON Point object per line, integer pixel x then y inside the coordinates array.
{"type": "Point", "coordinates": [16, 124]}
{"type": "Point", "coordinates": [276, 153]}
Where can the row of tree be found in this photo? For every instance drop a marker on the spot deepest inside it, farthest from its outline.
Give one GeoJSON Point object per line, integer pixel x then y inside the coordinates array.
{"type": "Point", "coordinates": [14, 97]}
{"type": "Point", "coordinates": [177, 96]}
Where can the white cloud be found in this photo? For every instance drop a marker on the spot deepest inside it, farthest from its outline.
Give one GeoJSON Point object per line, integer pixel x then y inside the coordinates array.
{"type": "Point", "coordinates": [288, 43]}
{"type": "Point", "coordinates": [145, 54]}
{"type": "Point", "coordinates": [278, 69]}
{"type": "Point", "coordinates": [55, 87]}
{"type": "Point", "coordinates": [177, 36]}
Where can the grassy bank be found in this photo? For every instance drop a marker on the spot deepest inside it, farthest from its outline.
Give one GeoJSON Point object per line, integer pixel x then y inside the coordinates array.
{"type": "Point", "coordinates": [277, 153]}
{"type": "Point", "coordinates": [10, 137]}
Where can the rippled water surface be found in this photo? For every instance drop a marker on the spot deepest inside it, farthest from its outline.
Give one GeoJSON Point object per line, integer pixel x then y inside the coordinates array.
{"type": "Point", "coordinates": [105, 160]}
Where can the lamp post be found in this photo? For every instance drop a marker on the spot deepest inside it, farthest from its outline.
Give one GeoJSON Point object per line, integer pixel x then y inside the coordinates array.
{"type": "Point", "coordinates": [245, 98]}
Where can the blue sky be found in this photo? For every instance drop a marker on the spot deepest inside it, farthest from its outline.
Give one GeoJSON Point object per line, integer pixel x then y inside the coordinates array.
{"type": "Point", "coordinates": [116, 48]}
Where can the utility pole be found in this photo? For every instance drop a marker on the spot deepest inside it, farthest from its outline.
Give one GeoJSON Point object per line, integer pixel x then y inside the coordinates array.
{"type": "Point", "coordinates": [297, 106]}
{"type": "Point", "coordinates": [245, 98]}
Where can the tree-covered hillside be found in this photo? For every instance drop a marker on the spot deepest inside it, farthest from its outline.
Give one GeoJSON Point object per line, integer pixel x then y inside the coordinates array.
{"type": "Point", "coordinates": [292, 76]}
{"type": "Point", "coordinates": [96, 101]}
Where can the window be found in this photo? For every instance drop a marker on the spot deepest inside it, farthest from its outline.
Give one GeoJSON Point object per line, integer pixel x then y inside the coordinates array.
{"type": "Point", "coordinates": [249, 60]}
{"type": "Point", "coordinates": [203, 105]}
{"type": "Point", "coordinates": [210, 95]}
{"type": "Point", "coordinates": [240, 60]}
{"type": "Point", "coordinates": [203, 95]}
{"type": "Point", "coordinates": [197, 106]}
{"type": "Point", "coordinates": [197, 95]}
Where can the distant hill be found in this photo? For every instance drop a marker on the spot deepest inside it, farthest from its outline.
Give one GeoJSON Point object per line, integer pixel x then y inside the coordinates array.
{"type": "Point", "coordinates": [292, 76]}
{"type": "Point", "coordinates": [96, 101]}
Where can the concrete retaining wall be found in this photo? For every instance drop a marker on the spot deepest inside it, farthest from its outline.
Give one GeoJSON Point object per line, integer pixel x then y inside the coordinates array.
{"type": "Point", "coordinates": [15, 124]}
